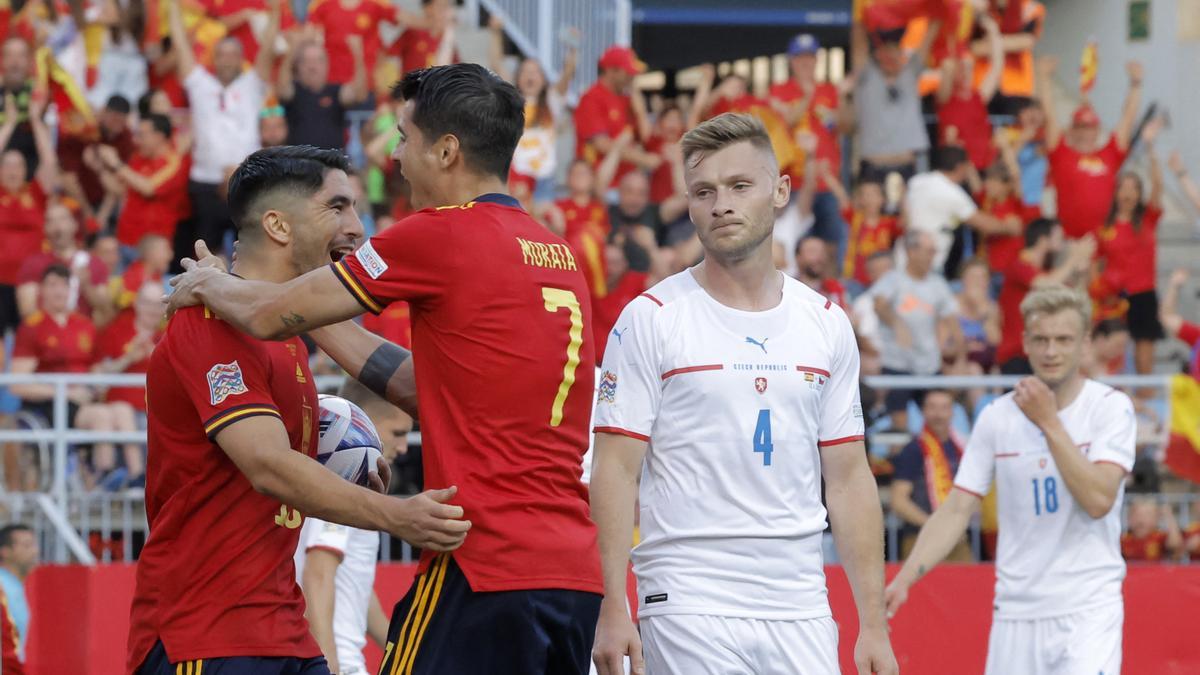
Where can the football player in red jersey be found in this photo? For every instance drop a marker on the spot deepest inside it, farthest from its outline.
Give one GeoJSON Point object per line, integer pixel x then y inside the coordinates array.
{"type": "Point", "coordinates": [232, 429]}
{"type": "Point", "coordinates": [504, 380]}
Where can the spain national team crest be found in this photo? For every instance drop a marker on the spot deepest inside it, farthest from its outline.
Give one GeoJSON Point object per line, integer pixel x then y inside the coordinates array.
{"type": "Point", "coordinates": [607, 392]}
{"type": "Point", "coordinates": [225, 380]}
{"type": "Point", "coordinates": [760, 384]}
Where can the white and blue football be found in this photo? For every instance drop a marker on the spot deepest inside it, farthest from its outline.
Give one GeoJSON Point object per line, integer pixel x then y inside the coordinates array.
{"type": "Point", "coordinates": [349, 444]}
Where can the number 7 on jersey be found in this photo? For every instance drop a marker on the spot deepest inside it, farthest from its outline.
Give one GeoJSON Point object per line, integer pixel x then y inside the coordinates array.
{"type": "Point", "coordinates": [556, 299]}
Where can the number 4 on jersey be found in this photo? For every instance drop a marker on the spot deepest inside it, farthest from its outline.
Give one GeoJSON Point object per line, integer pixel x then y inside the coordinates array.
{"type": "Point", "coordinates": [762, 436]}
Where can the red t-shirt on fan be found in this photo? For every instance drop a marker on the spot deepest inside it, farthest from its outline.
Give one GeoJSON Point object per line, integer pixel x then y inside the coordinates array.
{"type": "Point", "coordinates": [587, 230]}
{"type": "Point", "coordinates": [1085, 184]}
{"type": "Point", "coordinates": [157, 214]}
{"type": "Point", "coordinates": [338, 23]}
{"type": "Point", "coordinates": [969, 117]}
{"type": "Point", "coordinates": [113, 342]}
{"type": "Point", "coordinates": [501, 321]}
{"type": "Point", "coordinates": [1131, 257]}
{"type": "Point", "coordinates": [68, 347]}
{"type": "Point", "coordinates": [1018, 280]}
{"type": "Point", "coordinates": [22, 219]}
{"type": "Point", "coordinates": [866, 240]}
{"type": "Point", "coordinates": [1002, 249]}
{"type": "Point", "coordinates": [216, 577]}
{"type": "Point", "coordinates": [601, 112]}
{"type": "Point", "coordinates": [821, 120]}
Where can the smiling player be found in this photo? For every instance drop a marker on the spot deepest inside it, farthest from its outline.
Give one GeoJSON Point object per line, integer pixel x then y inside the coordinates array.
{"type": "Point", "coordinates": [501, 324]}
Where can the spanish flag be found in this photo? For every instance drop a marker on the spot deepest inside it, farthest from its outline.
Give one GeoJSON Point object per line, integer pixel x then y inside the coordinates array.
{"type": "Point", "coordinates": [1183, 446]}
{"type": "Point", "coordinates": [74, 113]}
{"type": "Point", "coordinates": [1089, 64]}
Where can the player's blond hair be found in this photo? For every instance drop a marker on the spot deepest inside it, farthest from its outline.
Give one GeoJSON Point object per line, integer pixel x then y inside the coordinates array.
{"type": "Point", "coordinates": [722, 131]}
{"type": "Point", "coordinates": [1055, 299]}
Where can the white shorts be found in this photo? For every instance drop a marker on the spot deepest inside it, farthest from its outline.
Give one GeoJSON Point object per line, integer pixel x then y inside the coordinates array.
{"type": "Point", "coordinates": [1085, 643]}
{"type": "Point", "coordinates": [696, 644]}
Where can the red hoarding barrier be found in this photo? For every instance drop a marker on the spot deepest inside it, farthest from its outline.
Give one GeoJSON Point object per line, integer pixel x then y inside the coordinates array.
{"type": "Point", "coordinates": [80, 618]}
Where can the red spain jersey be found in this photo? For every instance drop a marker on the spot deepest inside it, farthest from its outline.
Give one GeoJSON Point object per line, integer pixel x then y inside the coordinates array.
{"type": "Point", "coordinates": [216, 577]}
{"type": "Point", "coordinates": [601, 112]}
{"type": "Point", "coordinates": [867, 239]}
{"type": "Point", "coordinates": [339, 22]}
{"type": "Point", "coordinates": [501, 326]}
{"type": "Point", "coordinates": [159, 213]}
{"type": "Point", "coordinates": [21, 228]}
{"type": "Point", "coordinates": [820, 119]}
{"type": "Point", "coordinates": [1131, 255]}
{"type": "Point", "coordinates": [587, 230]}
{"type": "Point", "coordinates": [1085, 184]}
{"type": "Point", "coordinates": [1148, 548]}
{"type": "Point", "coordinates": [67, 347]}
{"type": "Point", "coordinates": [113, 342]}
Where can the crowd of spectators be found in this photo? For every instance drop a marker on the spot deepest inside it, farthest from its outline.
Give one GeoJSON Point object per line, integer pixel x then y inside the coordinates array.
{"type": "Point", "coordinates": [933, 183]}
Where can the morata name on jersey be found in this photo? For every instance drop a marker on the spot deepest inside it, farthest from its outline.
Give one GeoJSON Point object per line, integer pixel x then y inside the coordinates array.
{"type": "Point", "coordinates": [549, 256]}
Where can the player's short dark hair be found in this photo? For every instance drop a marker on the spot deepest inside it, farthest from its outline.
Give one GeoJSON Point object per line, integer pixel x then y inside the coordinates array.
{"type": "Point", "coordinates": [470, 102]}
{"type": "Point", "coordinates": [1109, 327]}
{"type": "Point", "coordinates": [6, 533]}
{"type": "Point", "coordinates": [160, 123]}
{"type": "Point", "coordinates": [1036, 230]}
{"type": "Point", "coordinates": [294, 168]}
{"type": "Point", "coordinates": [948, 158]}
{"type": "Point", "coordinates": [57, 270]}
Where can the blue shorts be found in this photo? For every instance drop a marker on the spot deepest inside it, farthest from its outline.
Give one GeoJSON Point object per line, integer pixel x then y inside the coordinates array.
{"type": "Point", "coordinates": [157, 663]}
{"type": "Point", "coordinates": [441, 626]}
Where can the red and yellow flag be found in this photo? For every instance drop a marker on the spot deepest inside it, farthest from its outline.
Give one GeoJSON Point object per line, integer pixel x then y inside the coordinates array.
{"type": "Point", "coordinates": [1183, 446]}
{"type": "Point", "coordinates": [1089, 64]}
{"type": "Point", "coordinates": [74, 113]}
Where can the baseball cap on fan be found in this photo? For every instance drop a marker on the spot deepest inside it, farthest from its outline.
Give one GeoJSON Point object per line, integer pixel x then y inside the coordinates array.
{"type": "Point", "coordinates": [617, 56]}
{"type": "Point", "coordinates": [1085, 116]}
{"type": "Point", "coordinates": [803, 43]}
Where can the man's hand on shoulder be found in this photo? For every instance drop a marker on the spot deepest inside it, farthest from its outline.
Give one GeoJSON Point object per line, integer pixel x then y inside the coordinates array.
{"type": "Point", "coordinates": [196, 272]}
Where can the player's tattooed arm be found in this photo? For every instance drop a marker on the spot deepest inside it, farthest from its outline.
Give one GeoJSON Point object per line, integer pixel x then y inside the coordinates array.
{"type": "Point", "coordinates": [939, 535]}
{"type": "Point", "coordinates": [292, 321]}
{"type": "Point", "coordinates": [268, 311]}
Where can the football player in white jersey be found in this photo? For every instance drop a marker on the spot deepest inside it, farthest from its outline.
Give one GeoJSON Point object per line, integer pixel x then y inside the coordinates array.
{"type": "Point", "coordinates": [732, 389]}
{"type": "Point", "coordinates": [1059, 448]}
{"type": "Point", "coordinates": [335, 564]}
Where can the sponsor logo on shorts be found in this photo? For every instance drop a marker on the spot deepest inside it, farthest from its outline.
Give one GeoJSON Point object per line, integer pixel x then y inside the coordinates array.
{"type": "Point", "coordinates": [225, 380]}
{"type": "Point", "coordinates": [371, 262]}
{"type": "Point", "coordinates": [856, 410]}
{"type": "Point", "coordinates": [657, 597]}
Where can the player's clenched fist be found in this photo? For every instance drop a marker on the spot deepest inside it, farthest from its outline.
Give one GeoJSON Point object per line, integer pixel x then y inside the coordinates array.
{"type": "Point", "coordinates": [428, 521]}
{"type": "Point", "coordinates": [616, 638]}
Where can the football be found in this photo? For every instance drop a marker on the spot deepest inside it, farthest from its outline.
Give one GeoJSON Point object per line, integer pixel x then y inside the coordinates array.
{"type": "Point", "coordinates": [348, 443]}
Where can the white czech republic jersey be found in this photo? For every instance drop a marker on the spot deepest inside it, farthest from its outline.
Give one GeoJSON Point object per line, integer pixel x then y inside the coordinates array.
{"type": "Point", "coordinates": [734, 405]}
{"type": "Point", "coordinates": [1052, 558]}
{"type": "Point", "coordinates": [353, 583]}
